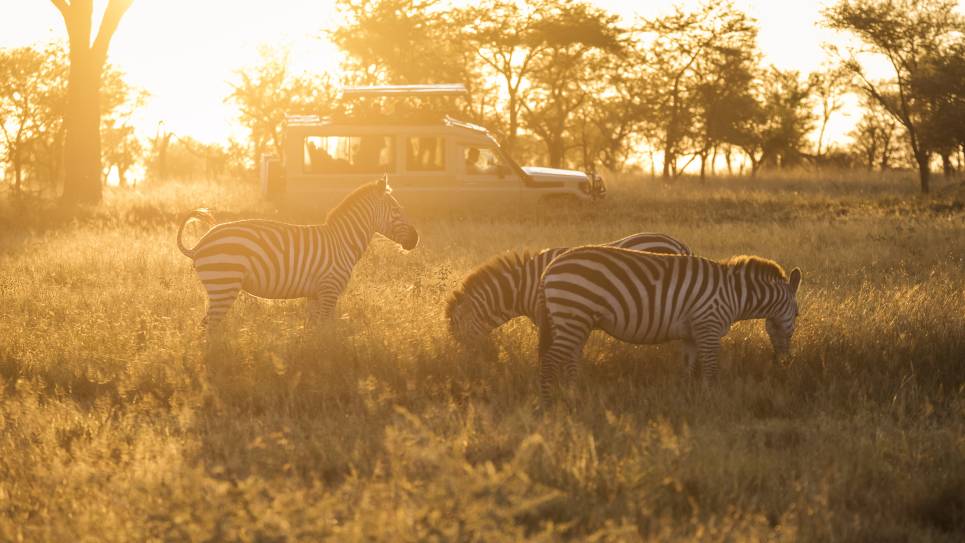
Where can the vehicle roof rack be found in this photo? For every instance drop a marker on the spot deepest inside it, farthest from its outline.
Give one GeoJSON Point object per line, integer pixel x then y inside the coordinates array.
{"type": "Point", "coordinates": [445, 89]}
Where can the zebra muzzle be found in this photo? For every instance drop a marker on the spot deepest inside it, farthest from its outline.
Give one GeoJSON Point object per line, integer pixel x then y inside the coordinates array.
{"type": "Point", "coordinates": [410, 240]}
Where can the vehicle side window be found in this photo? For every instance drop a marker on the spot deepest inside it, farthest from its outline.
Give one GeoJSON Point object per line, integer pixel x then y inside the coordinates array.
{"type": "Point", "coordinates": [426, 154]}
{"type": "Point", "coordinates": [481, 161]}
{"type": "Point", "coordinates": [349, 154]}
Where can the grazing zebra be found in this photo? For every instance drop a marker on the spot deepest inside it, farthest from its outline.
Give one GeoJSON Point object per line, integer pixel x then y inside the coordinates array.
{"type": "Point", "coordinates": [649, 298]}
{"type": "Point", "coordinates": [505, 287]}
{"type": "Point", "coordinates": [280, 261]}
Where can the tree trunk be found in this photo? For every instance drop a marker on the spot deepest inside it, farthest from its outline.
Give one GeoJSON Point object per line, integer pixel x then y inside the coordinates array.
{"type": "Point", "coordinates": [82, 116]}
{"type": "Point", "coordinates": [121, 176]}
{"type": "Point", "coordinates": [703, 166]}
{"type": "Point", "coordinates": [17, 173]}
{"type": "Point", "coordinates": [668, 161]}
{"type": "Point", "coordinates": [947, 169]}
{"type": "Point", "coordinates": [924, 174]}
{"type": "Point", "coordinates": [556, 152]}
{"type": "Point", "coordinates": [82, 142]}
{"type": "Point", "coordinates": [513, 124]}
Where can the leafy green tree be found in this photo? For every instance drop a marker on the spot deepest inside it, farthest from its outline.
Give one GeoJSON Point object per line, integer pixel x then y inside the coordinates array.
{"type": "Point", "coordinates": [82, 117]}
{"type": "Point", "coordinates": [906, 33]}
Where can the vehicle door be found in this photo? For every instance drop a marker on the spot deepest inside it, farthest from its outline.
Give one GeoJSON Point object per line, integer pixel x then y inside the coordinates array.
{"type": "Point", "coordinates": [485, 177]}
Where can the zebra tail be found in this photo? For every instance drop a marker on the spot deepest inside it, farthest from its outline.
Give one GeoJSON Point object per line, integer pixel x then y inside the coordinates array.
{"type": "Point", "coordinates": [200, 214]}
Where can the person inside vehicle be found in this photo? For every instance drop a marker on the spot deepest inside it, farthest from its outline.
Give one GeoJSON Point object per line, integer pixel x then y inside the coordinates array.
{"type": "Point", "coordinates": [472, 161]}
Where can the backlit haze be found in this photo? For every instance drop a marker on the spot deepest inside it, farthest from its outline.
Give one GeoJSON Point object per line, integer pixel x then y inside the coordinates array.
{"type": "Point", "coordinates": [185, 52]}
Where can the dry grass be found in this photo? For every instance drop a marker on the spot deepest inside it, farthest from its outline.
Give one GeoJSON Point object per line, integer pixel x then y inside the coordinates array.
{"type": "Point", "coordinates": [118, 424]}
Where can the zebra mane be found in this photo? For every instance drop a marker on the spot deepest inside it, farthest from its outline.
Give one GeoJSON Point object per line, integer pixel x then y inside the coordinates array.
{"type": "Point", "coordinates": [353, 199]}
{"type": "Point", "coordinates": [509, 261]}
{"type": "Point", "coordinates": [762, 267]}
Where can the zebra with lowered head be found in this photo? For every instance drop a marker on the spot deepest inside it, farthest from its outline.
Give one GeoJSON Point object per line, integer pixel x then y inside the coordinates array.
{"type": "Point", "coordinates": [276, 260]}
{"type": "Point", "coordinates": [648, 298]}
{"type": "Point", "coordinates": [506, 287]}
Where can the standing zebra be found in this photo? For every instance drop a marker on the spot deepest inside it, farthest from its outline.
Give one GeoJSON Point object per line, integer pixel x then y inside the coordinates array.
{"type": "Point", "coordinates": [649, 298]}
{"type": "Point", "coordinates": [505, 287]}
{"type": "Point", "coordinates": [281, 261]}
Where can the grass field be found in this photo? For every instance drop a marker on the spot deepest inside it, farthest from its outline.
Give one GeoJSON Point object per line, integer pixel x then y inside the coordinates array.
{"type": "Point", "coordinates": [118, 423]}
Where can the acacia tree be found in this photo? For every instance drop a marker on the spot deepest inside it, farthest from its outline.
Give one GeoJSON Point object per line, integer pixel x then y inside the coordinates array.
{"type": "Point", "coordinates": [828, 86]}
{"type": "Point", "coordinates": [398, 42]}
{"type": "Point", "coordinates": [120, 147]}
{"type": "Point", "coordinates": [614, 110]}
{"type": "Point", "coordinates": [724, 94]}
{"type": "Point", "coordinates": [681, 44]}
{"type": "Point", "coordinates": [504, 37]}
{"type": "Point", "coordinates": [875, 138]}
{"type": "Point", "coordinates": [905, 32]}
{"type": "Point", "coordinates": [579, 40]}
{"type": "Point", "coordinates": [266, 92]}
{"type": "Point", "coordinates": [31, 106]}
{"type": "Point", "coordinates": [409, 42]}
{"type": "Point", "coordinates": [774, 132]}
{"type": "Point", "coordinates": [82, 147]}
{"type": "Point", "coordinates": [942, 85]}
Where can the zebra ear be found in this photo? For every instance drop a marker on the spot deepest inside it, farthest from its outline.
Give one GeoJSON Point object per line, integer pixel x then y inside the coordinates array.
{"type": "Point", "coordinates": [384, 182]}
{"type": "Point", "coordinates": [794, 281]}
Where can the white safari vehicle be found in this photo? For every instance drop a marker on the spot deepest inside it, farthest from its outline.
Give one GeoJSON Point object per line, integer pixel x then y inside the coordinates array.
{"type": "Point", "coordinates": [435, 159]}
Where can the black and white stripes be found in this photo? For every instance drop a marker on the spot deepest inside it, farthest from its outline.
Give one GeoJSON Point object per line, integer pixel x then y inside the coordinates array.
{"type": "Point", "coordinates": [506, 287]}
{"type": "Point", "coordinates": [277, 260]}
{"type": "Point", "coordinates": [643, 297]}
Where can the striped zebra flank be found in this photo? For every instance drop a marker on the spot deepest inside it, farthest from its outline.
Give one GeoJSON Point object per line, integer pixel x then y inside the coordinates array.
{"type": "Point", "coordinates": [647, 298]}
{"type": "Point", "coordinates": [275, 260]}
{"type": "Point", "coordinates": [506, 286]}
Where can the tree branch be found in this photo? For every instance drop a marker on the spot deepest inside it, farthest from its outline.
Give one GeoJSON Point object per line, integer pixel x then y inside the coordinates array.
{"type": "Point", "coordinates": [112, 17]}
{"type": "Point", "coordinates": [61, 6]}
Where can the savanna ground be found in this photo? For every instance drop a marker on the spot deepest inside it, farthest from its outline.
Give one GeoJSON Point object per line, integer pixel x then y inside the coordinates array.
{"type": "Point", "coordinates": [117, 423]}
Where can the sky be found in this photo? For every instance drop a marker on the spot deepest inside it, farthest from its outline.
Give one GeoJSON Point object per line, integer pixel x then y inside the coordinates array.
{"type": "Point", "coordinates": [185, 53]}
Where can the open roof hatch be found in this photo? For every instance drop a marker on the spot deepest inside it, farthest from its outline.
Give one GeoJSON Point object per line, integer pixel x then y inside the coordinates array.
{"type": "Point", "coordinates": [401, 103]}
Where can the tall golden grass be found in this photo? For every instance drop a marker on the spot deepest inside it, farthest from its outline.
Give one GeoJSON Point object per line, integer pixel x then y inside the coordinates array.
{"type": "Point", "coordinates": [119, 423]}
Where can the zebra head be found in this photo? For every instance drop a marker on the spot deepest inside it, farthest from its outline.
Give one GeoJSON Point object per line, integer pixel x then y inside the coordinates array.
{"type": "Point", "coordinates": [391, 221]}
{"type": "Point", "coordinates": [465, 323]}
{"type": "Point", "coordinates": [493, 293]}
{"type": "Point", "coordinates": [780, 325]}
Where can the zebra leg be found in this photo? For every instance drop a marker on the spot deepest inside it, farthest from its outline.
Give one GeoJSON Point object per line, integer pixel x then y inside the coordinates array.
{"type": "Point", "coordinates": [560, 351]}
{"type": "Point", "coordinates": [220, 298]}
{"type": "Point", "coordinates": [706, 335]}
{"type": "Point", "coordinates": [689, 350]}
{"type": "Point", "coordinates": [708, 349]}
{"type": "Point", "coordinates": [322, 306]}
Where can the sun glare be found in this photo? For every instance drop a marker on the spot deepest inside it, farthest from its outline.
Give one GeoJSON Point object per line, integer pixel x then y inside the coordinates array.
{"type": "Point", "coordinates": [187, 53]}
